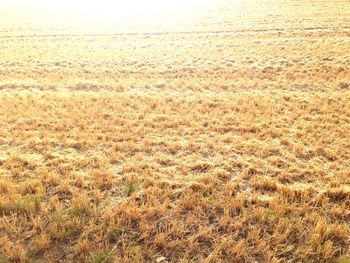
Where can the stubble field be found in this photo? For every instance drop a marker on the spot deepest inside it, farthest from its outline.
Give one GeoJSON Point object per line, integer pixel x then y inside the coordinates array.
{"type": "Point", "coordinates": [224, 141]}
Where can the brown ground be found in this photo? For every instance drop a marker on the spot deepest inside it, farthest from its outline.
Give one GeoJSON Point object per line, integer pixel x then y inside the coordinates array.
{"type": "Point", "coordinates": [225, 141]}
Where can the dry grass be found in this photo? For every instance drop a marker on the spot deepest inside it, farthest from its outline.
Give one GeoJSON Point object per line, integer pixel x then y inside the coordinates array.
{"type": "Point", "coordinates": [196, 177]}
{"type": "Point", "coordinates": [227, 162]}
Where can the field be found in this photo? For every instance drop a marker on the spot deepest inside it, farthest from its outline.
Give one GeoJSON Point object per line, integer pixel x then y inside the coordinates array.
{"type": "Point", "coordinates": [225, 140]}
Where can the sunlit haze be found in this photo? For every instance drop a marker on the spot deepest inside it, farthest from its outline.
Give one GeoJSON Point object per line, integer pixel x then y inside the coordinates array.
{"type": "Point", "coordinates": [105, 13]}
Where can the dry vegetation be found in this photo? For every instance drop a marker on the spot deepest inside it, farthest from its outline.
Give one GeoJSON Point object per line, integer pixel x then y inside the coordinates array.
{"type": "Point", "coordinates": [229, 143]}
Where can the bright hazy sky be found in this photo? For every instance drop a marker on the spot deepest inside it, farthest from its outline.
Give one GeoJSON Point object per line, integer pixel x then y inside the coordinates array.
{"type": "Point", "coordinates": [103, 12]}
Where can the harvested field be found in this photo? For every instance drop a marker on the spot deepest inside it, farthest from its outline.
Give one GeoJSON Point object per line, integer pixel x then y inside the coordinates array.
{"type": "Point", "coordinates": [225, 140]}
